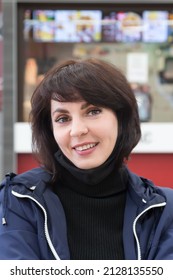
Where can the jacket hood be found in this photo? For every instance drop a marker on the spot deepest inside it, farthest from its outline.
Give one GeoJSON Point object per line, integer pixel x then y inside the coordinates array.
{"type": "Point", "coordinates": [32, 178]}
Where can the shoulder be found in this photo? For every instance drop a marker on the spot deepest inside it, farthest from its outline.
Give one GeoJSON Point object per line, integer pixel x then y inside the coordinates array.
{"type": "Point", "coordinates": [32, 177]}
{"type": "Point", "coordinates": [168, 194]}
{"type": "Point", "coordinates": [147, 189]}
{"type": "Point", "coordinates": [23, 184]}
{"type": "Point", "coordinates": [28, 178]}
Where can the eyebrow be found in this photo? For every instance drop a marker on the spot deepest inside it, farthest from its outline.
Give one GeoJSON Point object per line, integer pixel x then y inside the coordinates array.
{"type": "Point", "coordinates": [85, 105]}
{"type": "Point", "coordinates": [59, 110]}
{"type": "Point", "coordinates": [64, 111]}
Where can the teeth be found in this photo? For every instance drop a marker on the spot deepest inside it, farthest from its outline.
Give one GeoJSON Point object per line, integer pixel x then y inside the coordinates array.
{"type": "Point", "coordinates": [85, 147]}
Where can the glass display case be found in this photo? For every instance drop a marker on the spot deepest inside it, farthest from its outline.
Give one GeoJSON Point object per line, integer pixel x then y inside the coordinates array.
{"type": "Point", "coordinates": [137, 40]}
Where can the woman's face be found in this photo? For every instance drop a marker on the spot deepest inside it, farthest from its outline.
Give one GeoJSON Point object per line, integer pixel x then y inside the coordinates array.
{"type": "Point", "coordinates": [85, 133]}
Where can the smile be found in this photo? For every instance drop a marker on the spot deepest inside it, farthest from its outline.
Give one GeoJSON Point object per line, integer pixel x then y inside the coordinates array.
{"type": "Point", "coordinates": [85, 147]}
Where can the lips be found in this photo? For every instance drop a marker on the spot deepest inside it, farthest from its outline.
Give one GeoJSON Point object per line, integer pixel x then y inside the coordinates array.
{"type": "Point", "coordinates": [84, 147]}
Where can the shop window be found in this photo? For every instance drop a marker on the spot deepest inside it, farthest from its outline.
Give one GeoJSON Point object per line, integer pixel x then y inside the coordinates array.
{"type": "Point", "coordinates": [118, 34]}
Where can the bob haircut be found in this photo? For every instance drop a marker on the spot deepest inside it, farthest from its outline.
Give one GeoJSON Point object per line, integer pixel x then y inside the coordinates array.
{"type": "Point", "coordinates": [98, 83]}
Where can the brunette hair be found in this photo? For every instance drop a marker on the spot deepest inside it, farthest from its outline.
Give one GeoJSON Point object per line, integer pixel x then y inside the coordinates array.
{"type": "Point", "coordinates": [98, 83]}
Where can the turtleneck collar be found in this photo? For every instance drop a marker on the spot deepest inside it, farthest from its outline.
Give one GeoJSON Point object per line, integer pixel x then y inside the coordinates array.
{"type": "Point", "coordinates": [89, 176]}
{"type": "Point", "coordinates": [101, 181]}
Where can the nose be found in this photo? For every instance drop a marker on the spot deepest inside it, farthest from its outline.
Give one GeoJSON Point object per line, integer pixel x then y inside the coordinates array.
{"type": "Point", "coordinates": [78, 128]}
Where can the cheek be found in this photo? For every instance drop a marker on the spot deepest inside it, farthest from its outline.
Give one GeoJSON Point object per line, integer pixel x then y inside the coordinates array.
{"type": "Point", "coordinates": [60, 139]}
{"type": "Point", "coordinates": [56, 136]}
{"type": "Point", "coordinates": [111, 130]}
{"type": "Point", "coordinates": [116, 133]}
{"type": "Point", "coordinates": [113, 135]}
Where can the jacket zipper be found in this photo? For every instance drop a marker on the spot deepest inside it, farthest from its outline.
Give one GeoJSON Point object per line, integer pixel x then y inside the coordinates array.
{"type": "Point", "coordinates": [134, 226]}
{"type": "Point", "coordinates": [46, 231]}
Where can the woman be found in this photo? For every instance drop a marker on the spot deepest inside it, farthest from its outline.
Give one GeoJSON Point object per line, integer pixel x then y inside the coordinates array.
{"type": "Point", "coordinates": [83, 202]}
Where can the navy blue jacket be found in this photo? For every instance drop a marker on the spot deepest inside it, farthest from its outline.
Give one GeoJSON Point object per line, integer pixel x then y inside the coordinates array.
{"type": "Point", "coordinates": [34, 226]}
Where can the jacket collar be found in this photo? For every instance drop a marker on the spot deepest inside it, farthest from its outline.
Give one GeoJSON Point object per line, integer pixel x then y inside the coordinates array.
{"type": "Point", "coordinates": [143, 192]}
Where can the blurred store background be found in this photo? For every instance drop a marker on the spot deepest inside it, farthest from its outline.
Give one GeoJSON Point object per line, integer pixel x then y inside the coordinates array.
{"type": "Point", "coordinates": [137, 36]}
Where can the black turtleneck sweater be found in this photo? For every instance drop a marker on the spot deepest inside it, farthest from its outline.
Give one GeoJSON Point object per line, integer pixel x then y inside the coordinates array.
{"type": "Point", "coordinates": [94, 211]}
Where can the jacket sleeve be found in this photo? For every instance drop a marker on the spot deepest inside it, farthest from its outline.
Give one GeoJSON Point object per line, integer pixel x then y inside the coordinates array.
{"type": "Point", "coordinates": [163, 246]}
{"type": "Point", "coordinates": [18, 245]}
{"type": "Point", "coordinates": [20, 236]}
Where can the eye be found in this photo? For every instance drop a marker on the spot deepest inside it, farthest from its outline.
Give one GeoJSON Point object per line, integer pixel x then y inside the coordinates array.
{"type": "Point", "coordinates": [62, 119]}
{"type": "Point", "coordinates": [94, 111]}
